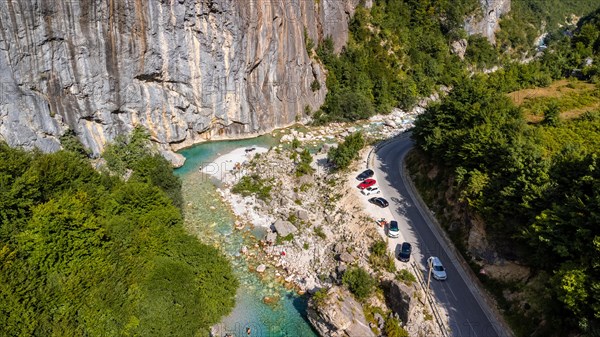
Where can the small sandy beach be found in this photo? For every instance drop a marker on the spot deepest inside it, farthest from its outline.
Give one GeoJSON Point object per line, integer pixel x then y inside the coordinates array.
{"type": "Point", "coordinates": [225, 163]}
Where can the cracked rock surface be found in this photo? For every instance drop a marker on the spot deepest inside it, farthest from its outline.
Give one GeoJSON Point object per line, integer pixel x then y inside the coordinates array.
{"type": "Point", "coordinates": [185, 70]}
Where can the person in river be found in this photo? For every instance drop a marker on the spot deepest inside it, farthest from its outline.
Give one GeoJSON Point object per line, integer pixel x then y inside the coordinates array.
{"type": "Point", "coordinates": [248, 331]}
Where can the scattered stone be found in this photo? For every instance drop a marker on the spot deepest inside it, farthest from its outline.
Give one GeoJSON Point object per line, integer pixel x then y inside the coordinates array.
{"type": "Point", "coordinates": [305, 179]}
{"type": "Point", "coordinates": [261, 268]}
{"type": "Point", "coordinates": [341, 269]}
{"type": "Point", "coordinates": [244, 250]}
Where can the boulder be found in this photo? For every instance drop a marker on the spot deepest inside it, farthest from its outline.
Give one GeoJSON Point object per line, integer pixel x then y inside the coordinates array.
{"type": "Point", "coordinates": [347, 258]}
{"type": "Point", "coordinates": [338, 248]}
{"type": "Point", "coordinates": [271, 237]}
{"type": "Point", "coordinates": [284, 228]}
{"type": "Point", "coordinates": [338, 315]}
{"type": "Point", "coordinates": [261, 268]}
{"type": "Point", "coordinates": [305, 179]}
{"type": "Point", "coordinates": [459, 48]}
{"type": "Point", "coordinates": [398, 297]}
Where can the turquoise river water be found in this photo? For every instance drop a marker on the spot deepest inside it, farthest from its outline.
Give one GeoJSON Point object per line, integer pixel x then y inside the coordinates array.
{"type": "Point", "coordinates": [211, 220]}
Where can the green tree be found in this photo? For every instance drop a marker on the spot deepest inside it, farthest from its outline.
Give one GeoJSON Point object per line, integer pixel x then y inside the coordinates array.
{"type": "Point", "coordinates": [359, 282]}
{"type": "Point", "coordinates": [347, 151]}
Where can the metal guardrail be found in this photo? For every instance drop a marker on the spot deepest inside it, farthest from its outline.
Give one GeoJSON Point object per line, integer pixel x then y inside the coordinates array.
{"type": "Point", "coordinates": [429, 298]}
{"type": "Point", "coordinates": [480, 293]}
{"type": "Point", "coordinates": [498, 319]}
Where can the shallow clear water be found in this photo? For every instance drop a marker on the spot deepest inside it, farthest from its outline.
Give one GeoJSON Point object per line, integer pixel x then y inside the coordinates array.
{"type": "Point", "coordinates": [209, 217]}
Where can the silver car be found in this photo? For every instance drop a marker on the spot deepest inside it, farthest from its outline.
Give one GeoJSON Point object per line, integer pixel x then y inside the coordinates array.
{"type": "Point", "coordinates": [437, 269]}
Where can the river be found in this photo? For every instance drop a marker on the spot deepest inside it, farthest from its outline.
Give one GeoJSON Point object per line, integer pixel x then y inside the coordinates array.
{"type": "Point", "coordinates": [211, 220]}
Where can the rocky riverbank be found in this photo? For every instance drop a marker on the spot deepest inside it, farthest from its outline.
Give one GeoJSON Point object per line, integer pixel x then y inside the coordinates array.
{"type": "Point", "coordinates": [316, 228]}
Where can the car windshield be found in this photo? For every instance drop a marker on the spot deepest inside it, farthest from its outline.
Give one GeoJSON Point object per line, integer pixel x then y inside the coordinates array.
{"type": "Point", "coordinates": [438, 268]}
{"type": "Point", "coordinates": [405, 248]}
{"type": "Point", "coordinates": [394, 226]}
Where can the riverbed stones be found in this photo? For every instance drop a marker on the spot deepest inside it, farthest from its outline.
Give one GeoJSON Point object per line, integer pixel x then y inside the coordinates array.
{"type": "Point", "coordinates": [261, 268]}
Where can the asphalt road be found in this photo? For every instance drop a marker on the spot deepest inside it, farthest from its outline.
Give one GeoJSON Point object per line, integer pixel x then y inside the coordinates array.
{"type": "Point", "coordinates": [468, 314]}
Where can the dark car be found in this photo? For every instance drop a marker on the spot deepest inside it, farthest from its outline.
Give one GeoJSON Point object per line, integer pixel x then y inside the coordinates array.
{"type": "Point", "coordinates": [365, 175]}
{"type": "Point", "coordinates": [381, 202]}
{"type": "Point", "coordinates": [405, 251]}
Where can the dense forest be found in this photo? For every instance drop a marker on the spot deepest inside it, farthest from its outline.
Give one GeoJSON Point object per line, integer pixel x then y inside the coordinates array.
{"type": "Point", "coordinates": [84, 253]}
{"type": "Point", "coordinates": [535, 181]}
{"type": "Point", "coordinates": [400, 51]}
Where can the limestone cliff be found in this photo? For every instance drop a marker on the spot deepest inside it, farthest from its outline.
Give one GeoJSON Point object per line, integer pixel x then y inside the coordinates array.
{"type": "Point", "coordinates": [186, 70]}
{"type": "Point", "coordinates": [488, 20]}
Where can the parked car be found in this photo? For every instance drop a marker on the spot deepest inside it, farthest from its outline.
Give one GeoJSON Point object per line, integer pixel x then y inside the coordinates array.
{"type": "Point", "coordinates": [393, 229]}
{"type": "Point", "coordinates": [367, 183]}
{"type": "Point", "coordinates": [365, 175]}
{"type": "Point", "coordinates": [379, 201]}
{"type": "Point", "coordinates": [405, 251]}
{"type": "Point", "coordinates": [437, 269]}
{"type": "Point", "coordinates": [371, 190]}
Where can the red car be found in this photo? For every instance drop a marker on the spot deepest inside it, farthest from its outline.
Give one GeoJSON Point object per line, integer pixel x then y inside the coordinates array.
{"type": "Point", "coordinates": [367, 183]}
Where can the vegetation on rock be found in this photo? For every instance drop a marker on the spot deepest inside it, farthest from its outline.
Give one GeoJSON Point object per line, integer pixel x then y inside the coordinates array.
{"type": "Point", "coordinates": [359, 282]}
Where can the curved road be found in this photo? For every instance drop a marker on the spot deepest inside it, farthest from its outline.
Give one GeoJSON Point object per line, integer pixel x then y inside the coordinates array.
{"type": "Point", "coordinates": [469, 315]}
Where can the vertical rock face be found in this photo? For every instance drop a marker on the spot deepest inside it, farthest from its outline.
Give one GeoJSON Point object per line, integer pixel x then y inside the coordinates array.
{"type": "Point", "coordinates": [185, 70]}
{"type": "Point", "coordinates": [339, 315]}
{"type": "Point", "coordinates": [489, 22]}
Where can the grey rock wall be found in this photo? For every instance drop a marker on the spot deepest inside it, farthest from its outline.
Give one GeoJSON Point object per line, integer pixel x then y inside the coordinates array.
{"type": "Point", "coordinates": [487, 22]}
{"type": "Point", "coordinates": [186, 70]}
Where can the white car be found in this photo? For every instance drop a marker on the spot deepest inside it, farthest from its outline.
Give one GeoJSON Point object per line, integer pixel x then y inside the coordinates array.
{"type": "Point", "coordinates": [371, 190]}
{"type": "Point", "coordinates": [437, 270]}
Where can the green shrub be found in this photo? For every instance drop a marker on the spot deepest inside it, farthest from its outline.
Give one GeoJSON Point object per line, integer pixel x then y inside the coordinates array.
{"type": "Point", "coordinates": [282, 239]}
{"type": "Point", "coordinates": [347, 151]}
{"type": "Point", "coordinates": [359, 282]}
{"type": "Point", "coordinates": [406, 276]}
{"type": "Point", "coordinates": [320, 297]}
{"type": "Point", "coordinates": [253, 185]}
{"type": "Point", "coordinates": [392, 328]}
{"type": "Point", "coordinates": [295, 143]}
{"type": "Point", "coordinates": [304, 166]}
{"type": "Point", "coordinates": [381, 258]}
{"type": "Point", "coordinates": [319, 232]}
